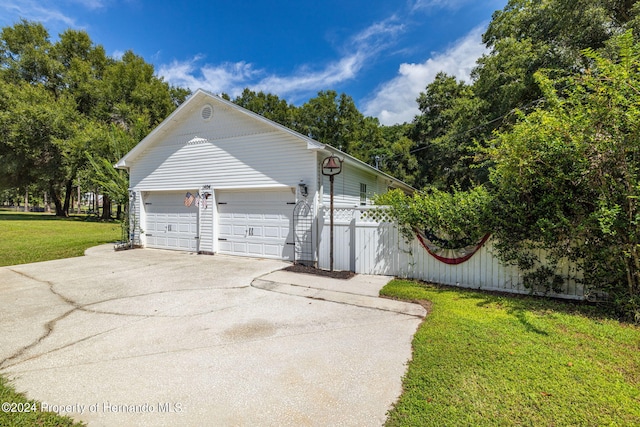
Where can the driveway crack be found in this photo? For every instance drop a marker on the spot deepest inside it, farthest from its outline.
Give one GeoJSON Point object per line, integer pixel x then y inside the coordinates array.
{"type": "Point", "coordinates": [49, 326]}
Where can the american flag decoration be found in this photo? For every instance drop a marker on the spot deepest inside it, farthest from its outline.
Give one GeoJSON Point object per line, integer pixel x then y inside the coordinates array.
{"type": "Point", "coordinates": [189, 199]}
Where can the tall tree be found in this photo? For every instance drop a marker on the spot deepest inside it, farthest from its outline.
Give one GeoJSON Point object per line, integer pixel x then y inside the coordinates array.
{"type": "Point", "coordinates": [567, 179]}
{"type": "Point", "coordinates": [70, 93]}
{"type": "Point", "coordinates": [267, 105]}
{"type": "Point", "coordinates": [524, 37]}
{"type": "Point", "coordinates": [36, 127]}
{"type": "Point", "coordinates": [25, 54]}
{"type": "Point", "coordinates": [529, 35]}
{"type": "Point", "coordinates": [444, 134]}
{"type": "Point", "coordinates": [319, 118]}
{"type": "Point", "coordinates": [83, 65]}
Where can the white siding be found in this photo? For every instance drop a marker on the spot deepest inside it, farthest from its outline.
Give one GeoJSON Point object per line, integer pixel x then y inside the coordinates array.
{"type": "Point", "coordinates": [135, 202]}
{"type": "Point", "coordinates": [233, 151]}
{"type": "Point", "coordinates": [347, 186]}
{"type": "Point", "coordinates": [206, 218]}
{"type": "Point", "coordinates": [236, 151]}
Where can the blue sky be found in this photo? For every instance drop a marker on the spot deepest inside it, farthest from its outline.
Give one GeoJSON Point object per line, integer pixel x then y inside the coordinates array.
{"type": "Point", "coordinates": [382, 53]}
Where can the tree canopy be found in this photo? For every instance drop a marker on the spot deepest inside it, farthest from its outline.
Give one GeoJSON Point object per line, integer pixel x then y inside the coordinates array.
{"type": "Point", "coordinates": [63, 101]}
{"type": "Point", "coordinates": [526, 36]}
{"type": "Point", "coordinates": [547, 132]}
{"type": "Point", "coordinates": [566, 177]}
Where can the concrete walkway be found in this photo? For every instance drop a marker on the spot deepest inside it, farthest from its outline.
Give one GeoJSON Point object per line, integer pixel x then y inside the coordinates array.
{"type": "Point", "coordinates": [361, 290]}
{"type": "Point", "coordinates": [161, 338]}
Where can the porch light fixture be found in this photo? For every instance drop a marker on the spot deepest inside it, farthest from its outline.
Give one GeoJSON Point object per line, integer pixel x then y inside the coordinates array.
{"type": "Point", "coordinates": [304, 190]}
{"type": "Point", "coordinates": [331, 166]}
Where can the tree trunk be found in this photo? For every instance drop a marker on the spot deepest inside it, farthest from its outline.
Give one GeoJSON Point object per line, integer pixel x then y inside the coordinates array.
{"type": "Point", "coordinates": [106, 207]}
{"type": "Point", "coordinates": [56, 200]}
{"type": "Point", "coordinates": [79, 211]}
{"type": "Point", "coordinates": [67, 197]}
{"type": "Point", "coordinates": [119, 214]}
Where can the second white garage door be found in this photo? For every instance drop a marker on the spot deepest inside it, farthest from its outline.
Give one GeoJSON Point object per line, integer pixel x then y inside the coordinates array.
{"type": "Point", "coordinates": [170, 224]}
{"type": "Point", "coordinates": [256, 223]}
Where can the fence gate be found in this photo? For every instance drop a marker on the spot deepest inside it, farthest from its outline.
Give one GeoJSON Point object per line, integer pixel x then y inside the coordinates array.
{"type": "Point", "coordinates": [303, 233]}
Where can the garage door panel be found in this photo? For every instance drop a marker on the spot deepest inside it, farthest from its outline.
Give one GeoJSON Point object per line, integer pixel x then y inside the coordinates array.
{"type": "Point", "coordinates": [258, 223]}
{"type": "Point", "coordinates": [254, 249]}
{"type": "Point", "coordinates": [239, 247]}
{"type": "Point", "coordinates": [272, 232]}
{"type": "Point", "coordinates": [170, 224]}
{"type": "Point", "coordinates": [272, 250]}
{"type": "Point", "coordinates": [270, 217]}
{"type": "Point", "coordinates": [238, 231]}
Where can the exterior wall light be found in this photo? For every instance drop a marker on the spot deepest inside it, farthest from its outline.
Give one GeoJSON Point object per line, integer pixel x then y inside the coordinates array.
{"type": "Point", "coordinates": [304, 190]}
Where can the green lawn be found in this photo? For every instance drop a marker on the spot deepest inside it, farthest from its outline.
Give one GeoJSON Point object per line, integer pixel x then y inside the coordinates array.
{"type": "Point", "coordinates": [488, 360]}
{"type": "Point", "coordinates": [26, 238]}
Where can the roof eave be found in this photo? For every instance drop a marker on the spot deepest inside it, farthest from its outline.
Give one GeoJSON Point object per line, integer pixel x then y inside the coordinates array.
{"type": "Point", "coordinates": [362, 165]}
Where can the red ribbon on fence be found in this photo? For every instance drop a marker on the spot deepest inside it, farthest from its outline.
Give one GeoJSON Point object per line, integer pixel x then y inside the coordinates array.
{"type": "Point", "coordinates": [448, 255]}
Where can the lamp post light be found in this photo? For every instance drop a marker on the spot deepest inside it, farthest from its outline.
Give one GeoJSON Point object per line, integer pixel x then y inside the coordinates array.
{"type": "Point", "coordinates": [331, 166]}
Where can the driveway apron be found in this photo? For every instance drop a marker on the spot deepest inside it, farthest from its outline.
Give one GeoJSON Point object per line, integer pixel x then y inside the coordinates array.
{"type": "Point", "coordinates": [161, 338]}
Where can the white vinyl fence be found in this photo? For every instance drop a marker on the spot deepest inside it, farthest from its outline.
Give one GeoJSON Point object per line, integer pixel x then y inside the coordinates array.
{"type": "Point", "coordinates": [366, 246]}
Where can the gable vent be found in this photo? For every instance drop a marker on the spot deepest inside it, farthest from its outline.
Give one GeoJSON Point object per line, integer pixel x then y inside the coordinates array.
{"type": "Point", "coordinates": [207, 112]}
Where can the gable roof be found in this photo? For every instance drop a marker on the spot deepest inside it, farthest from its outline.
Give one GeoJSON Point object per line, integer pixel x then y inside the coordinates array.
{"type": "Point", "coordinates": [200, 94]}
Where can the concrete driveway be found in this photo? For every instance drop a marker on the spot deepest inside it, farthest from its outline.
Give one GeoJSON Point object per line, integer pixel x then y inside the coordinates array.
{"type": "Point", "coordinates": [151, 337]}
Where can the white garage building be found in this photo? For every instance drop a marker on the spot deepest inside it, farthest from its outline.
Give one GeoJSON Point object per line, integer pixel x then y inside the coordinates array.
{"type": "Point", "coordinates": [216, 178]}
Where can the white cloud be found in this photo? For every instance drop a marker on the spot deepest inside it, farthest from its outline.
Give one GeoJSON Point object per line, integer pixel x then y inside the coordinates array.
{"type": "Point", "coordinates": [35, 11]}
{"type": "Point", "coordinates": [395, 100]}
{"type": "Point", "coordinates": [438, 4]}
{"type": "Point", "coordinates": [306, 79]}
{"type": "Point", "coordinates": [227, 77]}
{"type": "Point", "coordinates": [91, 4]}
{"type": "Point", "coordinates": [52, 12]}
{"type": "Point", "coordinates": [232, 78]}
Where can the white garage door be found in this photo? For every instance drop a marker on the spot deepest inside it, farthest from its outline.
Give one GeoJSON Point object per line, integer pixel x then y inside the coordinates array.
{"type": "Point", "coordinates": [256, 223]}
{"type": "Point", "coordinates": [169, 223]}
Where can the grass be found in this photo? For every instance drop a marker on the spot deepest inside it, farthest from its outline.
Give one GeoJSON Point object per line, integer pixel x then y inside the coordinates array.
{"type": "Point", "coordinates": [32, 418]}
{"type": "Point", "coordinates": [490, 360]}
{"type": "Point", "coordinates": [26, 238]}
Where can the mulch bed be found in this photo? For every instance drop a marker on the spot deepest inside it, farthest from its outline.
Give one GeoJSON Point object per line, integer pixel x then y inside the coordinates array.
{"type": "Point", "coordinates": [299, 268]}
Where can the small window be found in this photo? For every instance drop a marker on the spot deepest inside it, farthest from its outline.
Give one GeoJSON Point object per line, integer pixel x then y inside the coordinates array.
{"type": "Point", "coordinates": [363, 194]}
